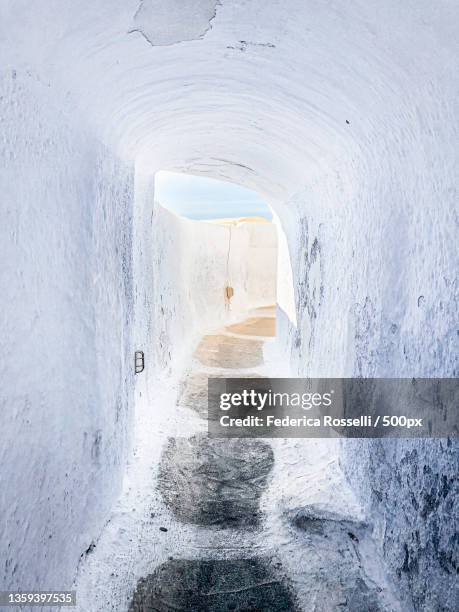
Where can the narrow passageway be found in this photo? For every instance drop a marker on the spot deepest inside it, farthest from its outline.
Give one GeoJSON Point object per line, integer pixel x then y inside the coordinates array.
{"type": "Point", "coordinates": [207, 526]}
{"type": "Point", "coordinates": [340, 118]}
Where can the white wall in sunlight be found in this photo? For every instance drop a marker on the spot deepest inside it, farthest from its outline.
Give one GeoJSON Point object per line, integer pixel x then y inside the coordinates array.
{"type": "Point", "coordinates": [194, 261]}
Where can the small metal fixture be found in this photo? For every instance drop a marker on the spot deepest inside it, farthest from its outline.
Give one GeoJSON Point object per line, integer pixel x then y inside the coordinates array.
{"type": "Point", "coordinates": [139, 361]}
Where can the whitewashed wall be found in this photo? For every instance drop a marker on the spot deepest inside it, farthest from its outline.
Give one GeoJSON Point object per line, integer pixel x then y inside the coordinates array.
{"type": "Point", "coordinates": [343, 116]}
{"type": "Point", "coordinates": [65, 354]}
{"type": "Point", "coordinates": [262, 264]}
{"type": "Point", "coordinates": [375, 262]}
{"type": "Point", "coordinates": [193, 262]}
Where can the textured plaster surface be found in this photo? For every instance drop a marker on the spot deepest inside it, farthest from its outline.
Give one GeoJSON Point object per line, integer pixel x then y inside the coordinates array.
{"type": "Point", "coordinates": [342, 117]}
{"type": "Point", "coordinates": [66, 392]}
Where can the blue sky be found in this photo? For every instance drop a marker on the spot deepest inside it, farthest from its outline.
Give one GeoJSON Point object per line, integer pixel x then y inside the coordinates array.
{"type": "Point", "coordinates": [197, 197]}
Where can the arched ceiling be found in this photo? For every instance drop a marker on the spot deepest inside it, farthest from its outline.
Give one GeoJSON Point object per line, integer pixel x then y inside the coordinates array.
{"type": "Point", "coordinates": [269, 93]}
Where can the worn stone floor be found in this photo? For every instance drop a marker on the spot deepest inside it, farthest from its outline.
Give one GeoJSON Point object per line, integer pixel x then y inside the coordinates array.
{"type": "Point", "coordinates": [234, 524]}
{"type": "Point", "coordinates": [219, 483]}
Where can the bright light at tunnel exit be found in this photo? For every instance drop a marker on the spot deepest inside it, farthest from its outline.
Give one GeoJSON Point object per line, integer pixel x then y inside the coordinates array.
{"type": "Point", "coordinates": [197, 197]}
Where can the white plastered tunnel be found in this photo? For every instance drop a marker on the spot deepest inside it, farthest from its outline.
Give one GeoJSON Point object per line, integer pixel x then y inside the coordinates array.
{"type": "Point", "coordinates": [340, 115]}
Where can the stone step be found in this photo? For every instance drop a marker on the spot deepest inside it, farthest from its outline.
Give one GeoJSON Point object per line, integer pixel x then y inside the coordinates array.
{"type": "Point", "coordinates": [240, 585]}
{"type": "Point", "coordinates": [216, 482]}
{"type": "Point", "coordinates": [193, 391]}
{"type": "Point", "coordinates": [220, 351]}
{"type": "Point", "coordinates": [254, 326]}
{"type": "Point", "coordinates": [335, 557]}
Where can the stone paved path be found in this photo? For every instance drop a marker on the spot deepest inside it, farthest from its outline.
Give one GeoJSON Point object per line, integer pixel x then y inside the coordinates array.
{"type": "Point", "coordinates": [216, 482]}
{"type": "Point", "coordinates": [244, 584]}
{"type": "Point", "coordinates": [249, 525]}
